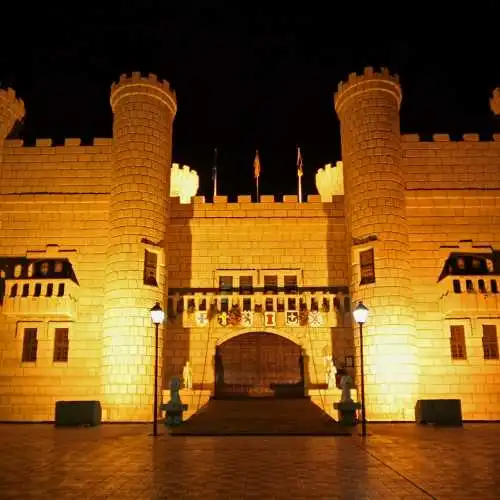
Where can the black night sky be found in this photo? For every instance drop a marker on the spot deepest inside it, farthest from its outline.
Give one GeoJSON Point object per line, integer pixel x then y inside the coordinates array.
{"type": "Point", "coordinates": [251, 76]}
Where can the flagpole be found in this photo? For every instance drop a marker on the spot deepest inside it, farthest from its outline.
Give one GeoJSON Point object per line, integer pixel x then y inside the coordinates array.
{"type": "Point", "coordinates": [300, 189]}
{"type": "Point", "coordinates": [214, 172]}
{"type": "Point", "coordinates": [258, 199]}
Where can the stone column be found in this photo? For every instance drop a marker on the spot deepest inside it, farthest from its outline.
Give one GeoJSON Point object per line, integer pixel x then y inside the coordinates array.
{"type": "Point", "coordinates": [368, 109]}
{"type": "Point", "coordinates": [144, 110]}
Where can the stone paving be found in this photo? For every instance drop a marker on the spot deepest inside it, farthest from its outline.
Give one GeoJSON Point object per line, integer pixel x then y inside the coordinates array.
{"type": "Point", "coordinates": [124, 462]}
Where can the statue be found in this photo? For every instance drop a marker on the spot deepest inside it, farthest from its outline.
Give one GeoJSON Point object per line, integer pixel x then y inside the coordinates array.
{"type": "Point", "coordinates": [328, 360]}
{"type": "Point", "coordinates": [332, 372]}
{"type": "Point", "coordinates": [187, 375]}
{"type": "Point", "coordinates": [174, 407]}
{"type": "Point", "coordinates": [346, 384]}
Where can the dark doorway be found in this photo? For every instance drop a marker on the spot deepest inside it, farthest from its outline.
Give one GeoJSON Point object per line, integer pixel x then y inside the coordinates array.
{"type": "Point", "coordinates": [259, 365]}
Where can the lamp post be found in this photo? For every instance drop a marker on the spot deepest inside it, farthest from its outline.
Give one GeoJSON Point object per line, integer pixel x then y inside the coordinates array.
{"type": "Point", "coordinates": [157, 317]}
{"type": "Point", "coordinates": [360, 316]}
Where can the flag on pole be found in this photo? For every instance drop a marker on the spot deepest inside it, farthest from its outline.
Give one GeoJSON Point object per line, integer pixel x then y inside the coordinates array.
{"type": "Point", "coordinates": [256, 171]}
{"type": "Point", "coordinates": [256, 165]}
{"type": "Point", "coordinates": [300, 173]}
{"type": "Point", "coordinates": [214, 172]}
{"type": "Point", "coordinates": [300, 163]}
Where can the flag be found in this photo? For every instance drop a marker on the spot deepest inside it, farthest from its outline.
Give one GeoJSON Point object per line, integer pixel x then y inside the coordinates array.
{"type": "Point", "coordinates": [256, 165]}
{"type": "Point", "coordinates": [300, 163]}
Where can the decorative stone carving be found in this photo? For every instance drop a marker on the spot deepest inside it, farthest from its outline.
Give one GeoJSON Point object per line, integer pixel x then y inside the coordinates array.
{"type": "Point", "coordinates": [184, 183]}
{"type": "Point", "coordinates": [346, 384]}
{"type": "Point", "coordinates": [330, 181]}
{"type": "Point", "coordinates": [174, 408]}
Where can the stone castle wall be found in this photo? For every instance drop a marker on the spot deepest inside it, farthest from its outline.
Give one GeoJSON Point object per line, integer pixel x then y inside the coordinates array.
{"type": "Point", "coordinates": [60, 195]}
{"type": "Point", "coordinates": [28, 391]}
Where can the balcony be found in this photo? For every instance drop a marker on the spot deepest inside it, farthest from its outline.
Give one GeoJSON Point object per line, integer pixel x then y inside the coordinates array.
{"type": "Point", "coordinates": [473, 294]}
{"type": "Point", "coordinates": [57, 298]}
{"type": "Point", "coordinates": [259, 310]}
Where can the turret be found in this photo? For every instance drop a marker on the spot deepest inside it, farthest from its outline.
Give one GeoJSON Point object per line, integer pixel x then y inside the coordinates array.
{"type": "Point", "coordinates": [368, 109]}
{"type": "Point", "coordinates": [11, 110]}
{"type": "Point", "coordinates": [144, 109]}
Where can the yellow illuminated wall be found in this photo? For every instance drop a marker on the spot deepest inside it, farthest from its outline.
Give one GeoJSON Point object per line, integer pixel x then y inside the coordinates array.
{"type": "Point", "coordinates": [104, 205]}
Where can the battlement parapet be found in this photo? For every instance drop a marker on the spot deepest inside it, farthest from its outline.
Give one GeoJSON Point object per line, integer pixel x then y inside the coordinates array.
{"type": "Point", "coordinates": [367, 81]}
{"type": "Point", "coordinates": [409, 138]}
{"type": "Point", "coordinates": [245, 208]}
{"type": "Point", "coordinates": [49, 143]}
{"type": "Point", "coordinates": [265, 198]}
{"type": "Point", "coordinates": [137, 83]}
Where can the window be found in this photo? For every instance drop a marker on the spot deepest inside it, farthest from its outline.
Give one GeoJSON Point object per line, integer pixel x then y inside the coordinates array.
{"type": "Point", "coordinates": [246, 285]}
{"type": "Point", "coordinates": [226, 284]}
{"type": "Point", "coordinates": [30, 345]}
{"type": "Point", "coordinates": [457, 342]}
{"type": "Point", "coordinates": [271, 284]}
{"type": "Point", "coordinates": [150, 268]}
{"type": "Point", "coordinates": [58, 267]}
{"type": "Point", "coordinates": [469, 286]}
{"type": "Point", "coordinates": [481, 285]}
{"type": "Point", "coordinates": [456, 286]}
{"type": "Point", "coordinates": [291, 284]}
{"type": "Point", "coordinates": [61, 345]}
{"type": "Point", "coordinates": [367, 266]}
{"type": "Point", "coordinates": [490, 342]}
{"type": "Point", "coordinates": [494, 286]}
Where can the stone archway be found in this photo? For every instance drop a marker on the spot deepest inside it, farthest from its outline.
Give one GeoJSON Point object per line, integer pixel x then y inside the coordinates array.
{"type": "Point", "coordinates": [259, 364]}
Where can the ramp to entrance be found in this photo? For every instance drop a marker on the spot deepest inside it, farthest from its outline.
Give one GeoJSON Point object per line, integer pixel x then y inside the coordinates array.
{"type": "Point", "coordinates": [260, 417]}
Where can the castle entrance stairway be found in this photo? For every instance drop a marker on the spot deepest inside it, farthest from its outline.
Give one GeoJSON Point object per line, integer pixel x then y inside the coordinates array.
{"type": "Point", "coordinates": [259, 417]}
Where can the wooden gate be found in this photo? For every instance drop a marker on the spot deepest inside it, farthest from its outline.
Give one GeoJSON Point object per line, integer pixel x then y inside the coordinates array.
{"type": "Point", "coordinates": [259, 365]}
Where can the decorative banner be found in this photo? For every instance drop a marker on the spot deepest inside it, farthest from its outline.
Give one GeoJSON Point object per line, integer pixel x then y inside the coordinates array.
{"type": "Point", "coordinates": [247, 318]}
{"type": "Point", "coordinates": [315, 318]}
{"type": "Point", "coordinates": [222, 318]}
{"type": "Point", "coordinates": [201, 318]}
{"type": "Point", "coordinates": [269, 318]}
{"type": "Point", "coordinates": [292, 318]}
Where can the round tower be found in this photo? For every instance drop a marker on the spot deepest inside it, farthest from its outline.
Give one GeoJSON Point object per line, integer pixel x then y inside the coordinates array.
{"type": "Point", "coordinates": [11, 110]}
{"type": "Point", "coordinates": [144, 109]}
{"type": "Point", "coordinates": [368, 108]}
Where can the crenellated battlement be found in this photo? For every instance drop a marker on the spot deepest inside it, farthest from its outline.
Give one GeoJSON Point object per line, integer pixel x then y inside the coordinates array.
{"type": "Point", "coordinates": [368, 80]}
{"type": "Point", "coordinates": [268, 207]}
{"type": "Point", "coordinates": [412, 138]}
{"type": "Point", "coordinates": [48, 143]}
{"type": "Point", "coordinates": [143, 84]}
{"type": "Point", "coordinates": [265, 198]}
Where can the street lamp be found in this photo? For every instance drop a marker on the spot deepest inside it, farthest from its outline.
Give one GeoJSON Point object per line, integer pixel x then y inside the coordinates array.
{"type": "Point", "coordinates": [360, 316]}
{"type": "Point", "coordinates": [157, 317]}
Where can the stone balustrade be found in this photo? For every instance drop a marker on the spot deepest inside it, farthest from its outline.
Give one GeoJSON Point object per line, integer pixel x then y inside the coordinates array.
{"type": "Point", "coordinates": [41, 297]}
{"type": "Point", "coordinates": [470, 293]}
{"type": "Point", "coordinates": [311, 308]}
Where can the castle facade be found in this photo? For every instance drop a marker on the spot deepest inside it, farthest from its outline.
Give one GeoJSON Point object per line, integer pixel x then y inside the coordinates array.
{"type": "Point", "coordinates": [258, 296]}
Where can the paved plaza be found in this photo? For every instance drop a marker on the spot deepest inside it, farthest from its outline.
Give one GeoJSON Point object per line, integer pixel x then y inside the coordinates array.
{"type": "Point", "coordinates": [124, 462]}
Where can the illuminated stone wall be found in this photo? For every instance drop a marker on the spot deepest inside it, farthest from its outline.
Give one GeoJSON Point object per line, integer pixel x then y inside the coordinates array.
{"type": "Point", "coordinates": [76, 226]}
{"type": "Point", "coordinates": [104, 204]}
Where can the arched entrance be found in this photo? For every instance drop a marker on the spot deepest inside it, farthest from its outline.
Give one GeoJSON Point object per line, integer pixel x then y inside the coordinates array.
{"type": "Point", "coordinates": [259, 364]}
